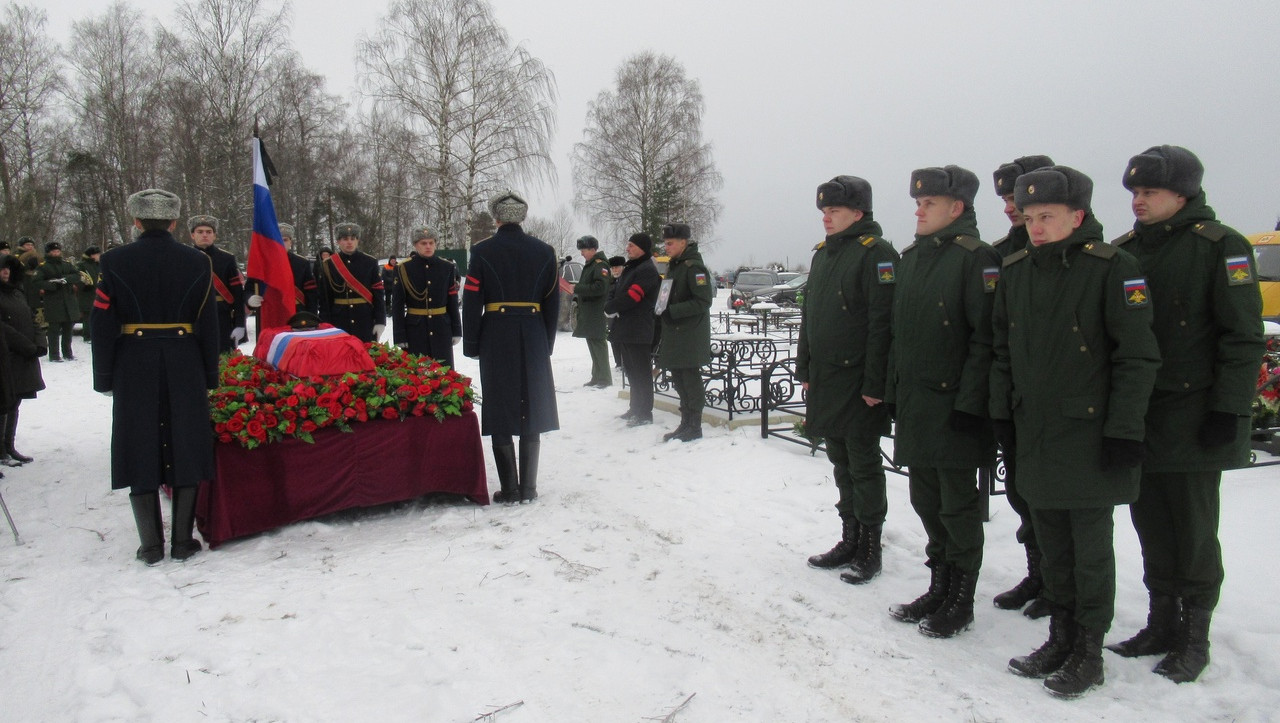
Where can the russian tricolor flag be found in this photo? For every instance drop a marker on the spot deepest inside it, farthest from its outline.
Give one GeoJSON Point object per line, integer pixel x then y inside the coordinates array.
{"type": "Point", "coordinates": [268, 258]}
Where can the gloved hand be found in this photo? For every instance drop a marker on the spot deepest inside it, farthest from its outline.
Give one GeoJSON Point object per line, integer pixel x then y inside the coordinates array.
{"type": "Point", "coordinates": [1005, 434]}
{"type": "Point", "coordinates": [457, 340]}
{"type": "Point", "coordinates": [254, 301]}
{"type": "Point", "coordinates": [403, 345]}
{"type": "Point", "coordinates": [965, 423]}
{"type": "Point", "coordinates": [59, 281]}
{"type": "Point", "coordinates": [1121, 453]}
{"type": "Point", "coordinates": [1217, 429]}
{"type": "Point", "coordinates": [238, 335]}
{"type": "Point", "coordinates": [107, 393]}
{"type": "Point", "coordinates": [377, 331]}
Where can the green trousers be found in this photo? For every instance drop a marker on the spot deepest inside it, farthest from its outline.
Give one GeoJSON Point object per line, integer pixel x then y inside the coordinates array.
{"type": "Point", "coordinates": [600, 371]}
{"type": "Point", "coordinates": [1176, 517]}
{"type": "Point", "coordinates": [1078, 562]}
{"type": "Point", "coordinates": [860, 478]}
{"type": "Point", "coordinates": [688, 386]}
{"type": "Point", "coordinates": [950, 508]}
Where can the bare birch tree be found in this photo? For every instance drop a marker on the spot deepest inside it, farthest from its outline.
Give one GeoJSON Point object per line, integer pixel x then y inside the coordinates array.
{"type": "Point", "coordinates": [480, 111]}
{"type": "Point", "coordinates": [642, 161]}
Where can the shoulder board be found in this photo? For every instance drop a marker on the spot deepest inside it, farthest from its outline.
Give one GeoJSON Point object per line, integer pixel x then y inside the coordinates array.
{"type": "Point", "coordinates": [1123, 239]}
{"type": "Point", "coordinates": [909, 248]}
{"type": "Point", "coordinates": [867, 240]}
{"type": "Point", "coordinates": [1015, 257]}
{"type": "Point", "coordinates": [1000, 240]}
{"type": "Point", "coordinates": [1211, 230]}
{"type": "Point", "coordinates": [968, 243]}
{"type": "Point", "coordinates": [1099, 249]}
{"type": "Point", "coordinates": [820, 245]}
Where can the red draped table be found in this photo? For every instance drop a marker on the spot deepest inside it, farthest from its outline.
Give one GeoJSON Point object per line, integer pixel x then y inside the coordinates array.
{"type": "Point", "coordinates": [376, 463]}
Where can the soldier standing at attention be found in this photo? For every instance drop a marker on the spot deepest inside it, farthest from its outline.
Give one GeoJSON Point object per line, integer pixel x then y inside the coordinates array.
{"type": "Point", "coordinates": [1208, 321]}
{"type": "Point", "coordinates": [686, 327]}
{"type": "Point", "coordinates": [1028, 589]}
{"type": "Point", "coordinates": [351, 290]}
{"type": "Point", "coordinates": [155, 351]}
{"type": "Point", "coordinates": [510, 310]}
{"type": "Point", "coordinates": [1075, 360]}
{"type": "Point", "coordinates": [591, 291]}
{"type": "Point", "coordinates": [842, 359]}
{"type": "Point", "coordinates": [58, 280]}
{"type": "Point", "coordinates": [424, 302]}
{"type": "Point", "coordinates": [88, 268]}
{"type": "Point", "coordinates": [228, 284]}
{"type": "Point", "coordinates": [939, 371]}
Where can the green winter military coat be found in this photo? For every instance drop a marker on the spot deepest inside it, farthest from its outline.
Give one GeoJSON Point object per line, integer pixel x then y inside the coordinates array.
{"type": "Point", "coordinates": [843, 348]}
{"type": "Point", "coordinates": [940, 361]}
{"type": "Point", "coordinates": [591, 291]}
{"type": "Point", "coordinates": [686, 322]}
{"type": "Point", "coordinates": [1208, 321]}
{"type": "Point", "coordinates": [58, 299]}
{"type": "Point", "coordinates": [1016, 240]}
{"type": "Point", "coordinates": [1075, 361]}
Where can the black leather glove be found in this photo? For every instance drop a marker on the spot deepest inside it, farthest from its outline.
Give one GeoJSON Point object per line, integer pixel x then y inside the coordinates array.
{"type": "Point", "coordinates": [965, 423]}
{"type": "Point", "coordinates": [1121, 453]}
{"type": "Point", "coordinates": [1217, 429]}
{"type": "Point", "coordinates": [1005, 435]}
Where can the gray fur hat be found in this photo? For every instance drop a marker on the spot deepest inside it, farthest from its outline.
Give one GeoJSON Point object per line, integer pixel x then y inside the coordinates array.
{"type": "Point", "coordinates": [347, 229]}
{"type": "Point", "coordinates": [848, 191]}
{"type": "Point", "coordinates": [588, 242]}
{"type": "Point", "coordinates": [1055, 184]}
{"type": "Point", "coordinates": [286, 230]}
{"type": "Point", "coordinates": [508, 207]}
{"type": "Point", "coordinates": [1171, 167]}
{"type": "Point", "coordinates": [951, 181]}
{"type": "Point", "coordinates": [422, 232]}
{"type": "Point", "coordinates": [677, 230]}
{"type": "Point", "coordinates": [153, 203]}
{"type": "Point", "coordinates": [1007, 174]}
{"type": "Point", "coordinates": [196, 221]}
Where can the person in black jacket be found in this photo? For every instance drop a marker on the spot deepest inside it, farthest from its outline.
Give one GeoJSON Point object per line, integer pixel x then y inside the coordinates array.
{"type": "Point", "coordinates": [22, 346]}
{"type": "Point", "coordinates": [155, 351]}
{"type": "Point", "coordinates": [630, 305]}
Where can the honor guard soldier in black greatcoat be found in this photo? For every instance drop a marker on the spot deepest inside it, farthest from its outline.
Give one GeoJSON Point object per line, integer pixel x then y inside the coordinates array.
{"type": "Point", "coordinates": [228, 284]}
{"type": "Point", "coordinates": [424, 303]}
{"type": "Point", "coordinates": [351, 295]}
{"type": "Point", "coordinates": [305, 294]}
{"type": "Point", "coordinates": [155, 351]}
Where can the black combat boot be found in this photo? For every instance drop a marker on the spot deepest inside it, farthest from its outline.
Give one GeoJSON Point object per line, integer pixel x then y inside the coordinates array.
{"type": "Point", "coordinates": [693, 428]}
{"type": "Point", "coordinates": [504, 458]}
{"type": "Point", "coordinates": [529, 449]}
{"type": "Point", "coordinates": [10, 432]}
{"type": "Point", "coordinates": [1082, 670]}
{"type": "Point", "coordinates": [1048, 657]}
{"type": "Point", "coordinates": [1026, 590]}
{"type": "Point", "coordinates": [844, 551]}
{"type": "Point", "coordinates": [1037, 608]}
{"type": "Point", "coordinates": [956, 614]}
{"type": "Point", "coordinates": [931, 600]}
{"type": "Point", "coordinates": [680, 429]}
{"type": "Point", "coordinates": [1158, 636]}
{"type": "Point", "coordinates": [866, 564]}
{"type": "Point", "coordinates": [146, 515]}
{"type": "Point", "coordinates": [1190, 654]}
{"type": "Point", "coordinates": [183, 545]}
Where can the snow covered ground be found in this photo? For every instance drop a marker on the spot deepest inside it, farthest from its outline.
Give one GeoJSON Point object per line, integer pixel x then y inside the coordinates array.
{"type": "Point", "coordinates": [648, 575]}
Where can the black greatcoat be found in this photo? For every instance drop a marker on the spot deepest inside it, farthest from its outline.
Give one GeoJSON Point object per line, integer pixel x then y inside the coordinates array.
{"type": "Point", "coordinates": [424, 307]}
{"type": "Point", "coordinates": [230, 311]}
{"type": "Point", "coordinates": [25, 343]}
{"type": "Point", "coordinates": [159, 375]}
{"type": "Point", "coordinates": [305, 294]}
{"type": "Point", "coordinates": [342, 305]}
{"type": "Point", "coordinates": [511, 302]}
{"type": "Point", "coordinates": [632, 298]}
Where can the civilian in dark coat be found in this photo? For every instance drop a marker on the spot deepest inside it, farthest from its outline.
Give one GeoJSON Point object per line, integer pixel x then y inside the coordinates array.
{"type": "Point", "coordinates": [155, 350]}
{"type": "Point", "coordinates": [511, 306]}
{"type": "Point", "coordinates": [20, 350]}
{"type": "Point", "coordinates": [630, 306]}
{"type": "Point", "coordinates": [424, 302]}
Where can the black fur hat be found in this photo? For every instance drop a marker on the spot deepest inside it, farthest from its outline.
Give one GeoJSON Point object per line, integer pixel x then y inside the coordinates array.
{"type": "Point", "coordinates": [951, 181]}
{"type": "Point", "coordinates": [676, 230]}
{"type": "Point", "coordinates": [1055, 184]}
{"type": "Point", "coordinates": [1171, 167]}
{"type": "Point", "coordinates": [1007, 174]}
{"type": "Point", "coordinates": [848, 191]}
{"type": "Point", "coordinates": [588, 242]}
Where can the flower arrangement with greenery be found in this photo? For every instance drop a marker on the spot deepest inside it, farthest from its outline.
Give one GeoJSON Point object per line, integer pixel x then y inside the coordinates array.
{"type": "Point", "coordinates": [255, 403]}
{"type": "Point", "coordinates": [1266, 405]}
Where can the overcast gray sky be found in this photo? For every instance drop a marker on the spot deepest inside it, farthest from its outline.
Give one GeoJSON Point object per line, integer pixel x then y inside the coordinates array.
{"type": "Point", "coordinates": [797, 92]}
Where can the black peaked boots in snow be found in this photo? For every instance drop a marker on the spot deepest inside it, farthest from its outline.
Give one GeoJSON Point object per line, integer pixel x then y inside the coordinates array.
{"type": "Point", "coordinates": [931, 600]}
{"type": "Point", "coordinates": [1082, 670]}
{"type": "Point", "coordinates": [956, 613]}
{"type": "Point", "coordinates": [146, 515]}
{"type": "Point", "coordinates": [1048, 657]}
{"type": "Point", "coordinates": [690, 427]}
{"type": "Point", "coordinates": [844, 551]}
{"type": "Point", "coordinates": [530, 448]}
{"type": "Point", "coordinates": [1157, 637]}
{"type": "Point", "coordinates": [1190, 654]}
{"type": "Point", "coordinates": [1027, 590]}
{"type": "Point", "coordinates": [866, 563]}
{"type": "Point", "coordinates": [504, 458]}
{"type": "Point", "coordinates": [184, 545]}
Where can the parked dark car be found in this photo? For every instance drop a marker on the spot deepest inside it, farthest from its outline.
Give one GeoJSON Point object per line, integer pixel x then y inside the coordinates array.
{"type": "Point", "coordinates": [748, 282]}
{"type": "Point", "coordinates": [785, 294]}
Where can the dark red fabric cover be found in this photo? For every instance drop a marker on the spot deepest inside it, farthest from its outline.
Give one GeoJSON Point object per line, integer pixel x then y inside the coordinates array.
{"type": "Point", "coordinates": [379, 462]}
{"type": "Point", "coordinates": [335, 352]}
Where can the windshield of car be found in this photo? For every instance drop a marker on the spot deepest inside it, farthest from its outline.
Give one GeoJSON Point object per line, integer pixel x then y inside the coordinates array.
{"type": "Point", "coordinates": [571, 271]}
{"type": "Point", "coordinates": [747, 278]}
{"type": "Point", "coordinates": [1268, 262]}
{"type": "Point", "coordinates": [798, 281]}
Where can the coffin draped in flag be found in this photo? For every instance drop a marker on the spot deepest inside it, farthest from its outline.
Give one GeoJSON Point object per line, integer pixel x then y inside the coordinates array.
{"type": "Point", "coordinates": [313, 352]}
{"type": "Point", "coordinates": [268, 258]}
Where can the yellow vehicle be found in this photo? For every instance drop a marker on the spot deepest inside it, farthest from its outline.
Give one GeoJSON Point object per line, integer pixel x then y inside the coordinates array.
{"type": "Point", "coordinates": [1266, 249]}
